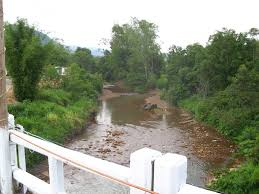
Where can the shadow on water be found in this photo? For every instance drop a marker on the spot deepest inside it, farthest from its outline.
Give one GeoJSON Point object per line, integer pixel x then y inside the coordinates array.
{"type": "Point", "coordinates": [123, 127]}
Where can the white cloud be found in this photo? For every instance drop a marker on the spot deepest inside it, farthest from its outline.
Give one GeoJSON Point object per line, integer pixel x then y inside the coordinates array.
{"type": "Point", "coordinates": [180, 22]}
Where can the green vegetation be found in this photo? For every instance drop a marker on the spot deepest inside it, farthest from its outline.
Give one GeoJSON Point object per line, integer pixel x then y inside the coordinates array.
{"type": "Point", "coordinates": [242, 180]}
{"type": "Point", "coordinates": [135, 56]}
{"type": "Point", "coordinates": [51, 105]}
{"type": "Point", "coordinates": [219, 84]}
{"type": "Point", "coordinates": [57, 113]}
{"type": "Point", "coordinates": [24, 50]}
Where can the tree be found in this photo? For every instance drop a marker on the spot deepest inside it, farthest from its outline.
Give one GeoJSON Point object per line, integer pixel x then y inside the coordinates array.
{"type": "Point", "coordinates": [104, 66]}
{"type": "Point", "coordinates": [135, 55]}
{"type": "Point", "coordinates": [227, 50]}
{"type": "Point", "coordinates": [57, 54]}
{"type": "Point", "coordinates": [84, 58]}
{"type": "Point", "coordinates": [25, 56]}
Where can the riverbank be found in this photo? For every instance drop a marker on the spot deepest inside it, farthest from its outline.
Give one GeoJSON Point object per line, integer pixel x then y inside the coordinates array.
{"type": "Point", "coordinates": [123, 126]}
{"type": "Point", "coordinates": [208, 142]}
{"type": "Point", "coordinates": [241, 174]}
{"type": "Point", "coordinates": [154, 98]}
{"type": "Point", "coordinates": [58, 112]}
{"type": "Point", "coordinates": [204, 143]}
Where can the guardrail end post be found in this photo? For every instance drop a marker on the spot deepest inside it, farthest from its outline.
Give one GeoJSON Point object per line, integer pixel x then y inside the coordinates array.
{"type": "Point", "coordinates": [141, 168]}
{"type": "Point", "coordinates": [170, 173]}
{"type": "Point", "coordinates": [6, 183]}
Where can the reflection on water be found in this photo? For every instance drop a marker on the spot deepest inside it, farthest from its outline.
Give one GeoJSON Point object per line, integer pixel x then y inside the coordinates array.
{"type": "Point", "coordinates": [142, 129]}
{"type": "Point", "coordinates": [104, 115]}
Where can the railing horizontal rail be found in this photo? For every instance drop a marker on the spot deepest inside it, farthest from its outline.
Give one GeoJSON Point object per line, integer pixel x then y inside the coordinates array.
{"type": "Point", "coordinates": [68, 156]}
{"type": "Point", "coordinates": [115, 172]}
{"type": "Point", "coordinates": [34, 183]}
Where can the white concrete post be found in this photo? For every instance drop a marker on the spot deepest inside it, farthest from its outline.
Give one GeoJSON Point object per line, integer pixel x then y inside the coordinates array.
{"type": "Point", "coordinates": [22, 158]}
{"type": "Point", "coordinates": [5, 162]}
{"type": "Point", "coordinates": [13, 147]}
{"type": "Point", "coordinates": [56, 176]}
{"type": "Point", "coordinates": [141, 168]}
{"type": "Point", "coordinates": [170, 173]}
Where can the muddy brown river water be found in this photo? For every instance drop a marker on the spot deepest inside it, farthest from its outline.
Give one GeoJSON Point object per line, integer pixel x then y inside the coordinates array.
{"type": "Point", "coordinates": [123, 127]}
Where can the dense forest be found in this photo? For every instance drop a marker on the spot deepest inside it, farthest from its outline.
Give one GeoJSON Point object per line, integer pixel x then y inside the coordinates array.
{"type": "Point", "coordinates": [218, 83]}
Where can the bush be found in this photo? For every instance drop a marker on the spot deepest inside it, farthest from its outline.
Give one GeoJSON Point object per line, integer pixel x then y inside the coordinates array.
{"type": "Point", "coordinates": [162, 82]}
{"type": "Point", "coordinates": [242, 180]}
{"type": "Point", "coordinates": [58, 96]}
{"type": "Point", "coordinates": [236, 117]}
{"type": "Point", "coordinates": [80, 83]}
{"type": "Point", "coordinates": [59, 113]}
{"type": "Point", "coordinates": [50, 77]}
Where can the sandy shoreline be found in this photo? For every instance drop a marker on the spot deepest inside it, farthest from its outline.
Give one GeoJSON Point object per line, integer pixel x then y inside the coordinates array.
{"type": "Point", "coordinates": [154, 98]}
{"type": "Point", "coordinates": [107, 94]}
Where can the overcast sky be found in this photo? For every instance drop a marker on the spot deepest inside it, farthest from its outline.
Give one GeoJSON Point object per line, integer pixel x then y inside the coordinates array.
{"type": "Point", "coordinates": [181, 22]}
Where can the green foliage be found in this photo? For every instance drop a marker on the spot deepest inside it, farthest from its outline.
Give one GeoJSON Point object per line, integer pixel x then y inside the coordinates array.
{"type": "Point", "coordinates": [84, 59]}
{"type": "Point", "coordinates": [162, 82]}
{"type": "Point", "coordinates": [25, 58]}
{"type": "Point", "coordinates": [51, 105]}
{"type": "Point", "coordinates": [207, 70]}
{"type": "Point", "coordinates": [220, 85]}
{"type": "Point", "coordinates": [50, 120]}
{"type": "Point", "coordinates": [135, 56]}
{"type": "Point", "coordinates": [50, 77]}
{"type": "Point", "coordinates": [57, 96]}
{"type": "Point", "coordinates": [30, 52]}
{"type": "Point", "coordinates": [242, 180]}
{"type": "Point", "coordinates": [57, 54]}
{"type": "Point", "coordinates": [58, 113]}
{"type": "Point", "coordinates": [80, 83]}
{"type": "Point", "coordinates": [104, 66]}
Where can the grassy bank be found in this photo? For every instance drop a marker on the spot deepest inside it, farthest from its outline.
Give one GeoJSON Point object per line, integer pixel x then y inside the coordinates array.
{"type": "Point", "coordinates": [239, 124]}
{"type": "Point", "coordinates": [60, 110]}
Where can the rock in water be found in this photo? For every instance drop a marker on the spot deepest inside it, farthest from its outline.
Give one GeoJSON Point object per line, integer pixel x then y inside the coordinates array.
{"type": "Point", "coordinates": [149, 106]}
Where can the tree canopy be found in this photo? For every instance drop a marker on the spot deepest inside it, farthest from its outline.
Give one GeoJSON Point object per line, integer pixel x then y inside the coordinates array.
{"type": "Point", "coordinates": [135, 55]}
{"type": "Point", "coordinates": [25, 58]}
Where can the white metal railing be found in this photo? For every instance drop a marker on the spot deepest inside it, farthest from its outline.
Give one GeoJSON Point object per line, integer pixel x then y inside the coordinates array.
{"type": "Point", "coordinates": [150, 171]}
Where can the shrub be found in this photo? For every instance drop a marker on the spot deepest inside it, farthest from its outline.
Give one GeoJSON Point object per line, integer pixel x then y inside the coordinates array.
{"type": "Point", "coordinates": [58, 113]}
{"type": "Point", "coordinates": [162, 82]}
{"type": "Point", "coordinates": [242, 180]}
{"type": "Point", "coordinates": [58, 96]}
{"type": "Point", "coordinates": [50, 77]}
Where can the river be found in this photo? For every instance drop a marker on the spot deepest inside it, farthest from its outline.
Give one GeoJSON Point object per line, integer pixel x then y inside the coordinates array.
{"type": "Point", "coordinates": [122, 127]}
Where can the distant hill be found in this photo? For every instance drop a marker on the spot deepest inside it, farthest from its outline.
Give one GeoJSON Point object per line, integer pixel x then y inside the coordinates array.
{"type": "Point", "coordinates": [97, 52]}
{"type": "Point", "coordinates": [45, 39]}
